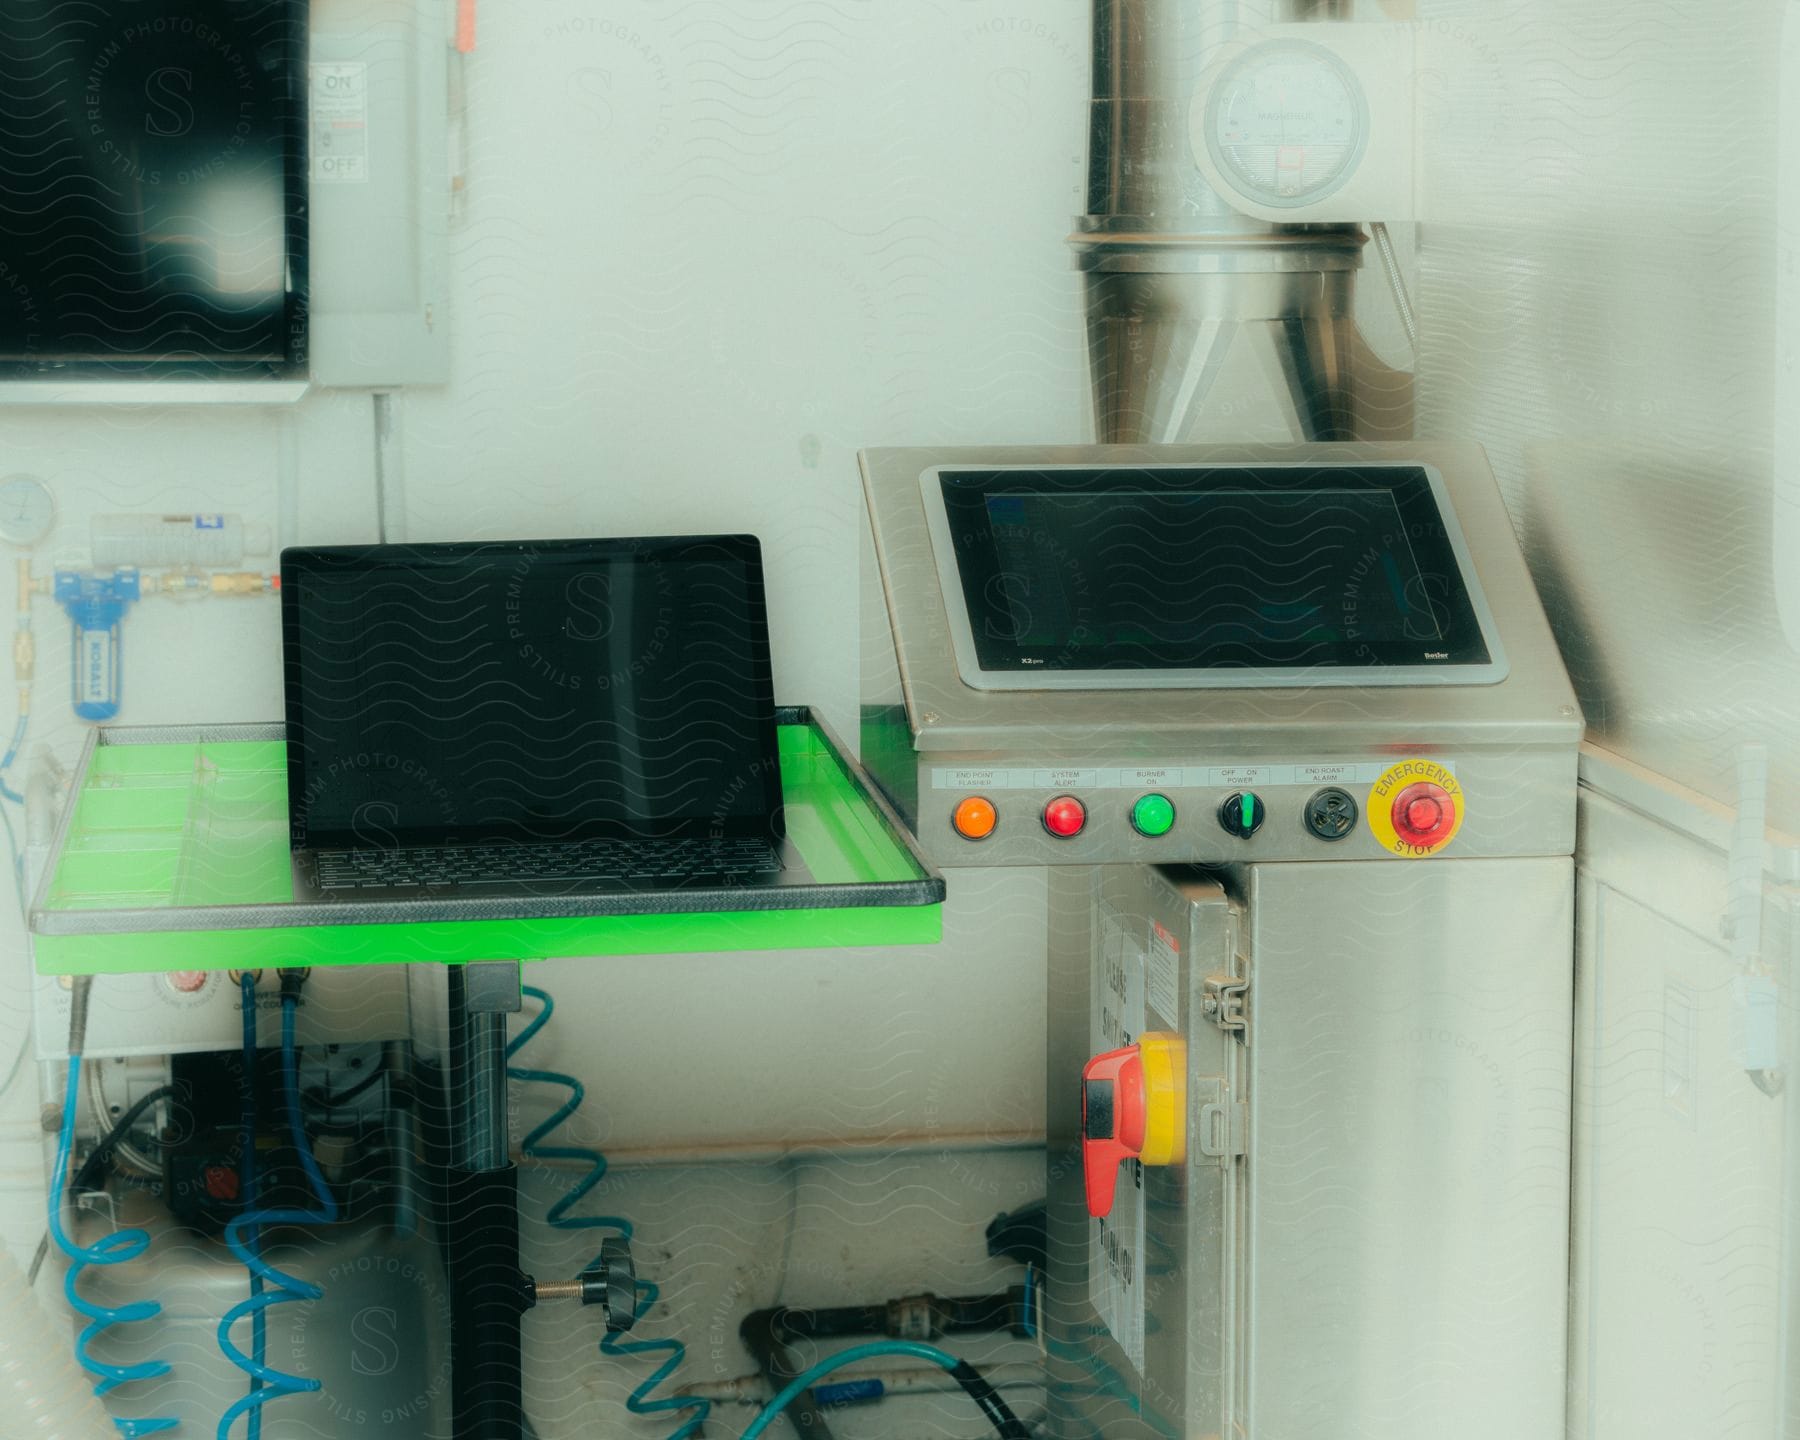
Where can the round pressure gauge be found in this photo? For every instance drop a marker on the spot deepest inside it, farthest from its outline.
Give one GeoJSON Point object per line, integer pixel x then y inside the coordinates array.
{"type": "Point", "coordinates": [26, 510]}
{"type": "Point", "coordinates": [1286, 122]}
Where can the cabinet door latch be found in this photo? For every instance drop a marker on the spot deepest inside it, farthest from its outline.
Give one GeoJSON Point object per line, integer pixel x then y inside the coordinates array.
{"type": "Point", "coordinates": [1222, 1001]}
{"type": "Point", "coordinates": [1221, 1124]}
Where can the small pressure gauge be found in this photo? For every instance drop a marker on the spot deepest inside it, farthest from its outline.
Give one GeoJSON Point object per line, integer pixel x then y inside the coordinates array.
{"type": "Point", "coordinates": [27, 510]}
{"type": "Point", "coordinates": [1286, 123]}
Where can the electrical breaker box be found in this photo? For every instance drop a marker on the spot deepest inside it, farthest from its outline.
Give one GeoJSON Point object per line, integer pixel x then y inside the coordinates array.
{"type": "Point", "coordinates": [380, 192]}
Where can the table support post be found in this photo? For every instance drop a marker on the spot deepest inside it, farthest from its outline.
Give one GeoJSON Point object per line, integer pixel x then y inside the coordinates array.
{"type": "Point", "coordinates": [489, 1293]}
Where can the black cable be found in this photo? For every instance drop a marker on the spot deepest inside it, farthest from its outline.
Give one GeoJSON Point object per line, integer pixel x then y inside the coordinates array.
{"type": "Point", "coordinates": [1007, 1424]}
{"type": "Point", "coordinates": [37, 1261]}
{"type": "Point", "coordinates": [92, 1174]}
{"type": "Point", "coordinates": [322, 1096]}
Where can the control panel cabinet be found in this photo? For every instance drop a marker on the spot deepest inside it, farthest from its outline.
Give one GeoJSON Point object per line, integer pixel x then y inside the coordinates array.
{"type": "Point", "coordinates": [1366, 1232]}
{"type": "Point", "coordinates": [1143, 1304]}
{"type": "Point", "coordinates": [1292, 725]}
{"type": "Point", "coordinates": [1210, 655]}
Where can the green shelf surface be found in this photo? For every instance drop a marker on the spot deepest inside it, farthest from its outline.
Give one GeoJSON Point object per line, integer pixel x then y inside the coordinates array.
{"type": "Point", "coordinates": [174, 856]}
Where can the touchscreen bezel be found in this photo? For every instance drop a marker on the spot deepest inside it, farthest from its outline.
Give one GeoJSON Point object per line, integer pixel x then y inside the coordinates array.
{"type": "Point", "coordinates": [975, 673]}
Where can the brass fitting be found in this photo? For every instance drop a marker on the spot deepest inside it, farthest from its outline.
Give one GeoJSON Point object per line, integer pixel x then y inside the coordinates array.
{"type": "Point", "coordinates": [239, 582]}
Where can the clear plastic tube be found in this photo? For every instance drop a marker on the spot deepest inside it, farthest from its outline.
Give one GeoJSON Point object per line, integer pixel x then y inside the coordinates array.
{"type": "Point", "coordinates": [1390, 263]}
{"type": "Point", "coordinates": [165, 542]}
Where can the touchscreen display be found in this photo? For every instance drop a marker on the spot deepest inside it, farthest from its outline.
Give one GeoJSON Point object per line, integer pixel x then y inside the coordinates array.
{"type": "Point", "coordinates": [1192, 569]}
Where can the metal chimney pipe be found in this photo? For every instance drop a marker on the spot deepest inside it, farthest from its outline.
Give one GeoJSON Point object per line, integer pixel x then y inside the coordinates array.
{"type": "Point", "coordinates": [1176, 280]}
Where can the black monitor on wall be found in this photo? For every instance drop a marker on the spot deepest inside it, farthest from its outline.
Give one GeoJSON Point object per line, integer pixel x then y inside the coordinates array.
{"type": "Point", "coordinates": [153, 190]}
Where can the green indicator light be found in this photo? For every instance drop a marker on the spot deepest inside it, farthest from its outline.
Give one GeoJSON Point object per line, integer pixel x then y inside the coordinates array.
{"type": "Point", "coordinates": [1249, 803]}
{"type": "Point", "coordinates": [1153, 815]}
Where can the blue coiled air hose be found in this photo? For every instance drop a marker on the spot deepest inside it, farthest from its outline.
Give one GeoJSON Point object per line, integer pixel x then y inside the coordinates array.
{"type": "Point", "coordinates": [643, 1400]}
{"type": "Point", "coordinates": [115, 1249]}
{"type": "Point", "coordinates": [268, 1285]}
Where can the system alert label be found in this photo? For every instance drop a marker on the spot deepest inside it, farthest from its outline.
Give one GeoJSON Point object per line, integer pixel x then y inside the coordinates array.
{"type": "Point", "coordinates": [1415, 808]}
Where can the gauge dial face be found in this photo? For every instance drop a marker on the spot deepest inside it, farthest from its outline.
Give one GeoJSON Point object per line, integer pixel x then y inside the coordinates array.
{"type": "Point", "coordinates": [26, 510]}
{"type": "Point", "coordinates": [1287, 122]}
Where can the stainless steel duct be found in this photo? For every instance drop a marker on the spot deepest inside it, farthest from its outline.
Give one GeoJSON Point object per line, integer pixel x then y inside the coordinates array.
{"type": "Point", "coordinates": [1176, 280]}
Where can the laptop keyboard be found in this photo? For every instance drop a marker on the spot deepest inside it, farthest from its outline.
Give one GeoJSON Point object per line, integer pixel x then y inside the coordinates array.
{"type": "Point", "coordinates": [621, 862]}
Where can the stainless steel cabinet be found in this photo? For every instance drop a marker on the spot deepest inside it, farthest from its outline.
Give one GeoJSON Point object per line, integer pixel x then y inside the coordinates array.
{"type": "Point", "coordinates": [1368, 1236]}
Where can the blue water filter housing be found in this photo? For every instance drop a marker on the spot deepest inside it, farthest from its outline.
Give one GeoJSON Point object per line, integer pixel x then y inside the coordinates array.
{"type": "Point", "coordinates": [96, 606]}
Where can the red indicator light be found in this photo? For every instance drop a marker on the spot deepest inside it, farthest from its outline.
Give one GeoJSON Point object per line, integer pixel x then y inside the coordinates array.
{"type": "Point", "coordinates": [1424, 814]}
{"type": "Point", "coordinates": [1065, 816]}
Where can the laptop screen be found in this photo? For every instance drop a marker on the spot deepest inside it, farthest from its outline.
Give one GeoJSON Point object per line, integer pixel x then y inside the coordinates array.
{"type": "Point", "coordinates": [528, 691]}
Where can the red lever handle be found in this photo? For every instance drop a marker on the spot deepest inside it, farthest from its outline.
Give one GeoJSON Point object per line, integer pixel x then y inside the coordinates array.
{"type": "Point", "coordinates": [1113, 1119]}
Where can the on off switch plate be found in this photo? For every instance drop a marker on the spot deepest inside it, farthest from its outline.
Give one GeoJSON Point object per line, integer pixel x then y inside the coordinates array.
{"type": "Point", "coordinates": [132, 1015]}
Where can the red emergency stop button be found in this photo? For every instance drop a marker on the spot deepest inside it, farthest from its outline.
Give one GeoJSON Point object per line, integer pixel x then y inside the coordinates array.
{"type": "Point", "coordinates": [1424, 814]}
{"type": "Point", "coordinates": [975, 818]}
{"type": "Point", "coordinates": [1065, 816]}
{"type": "Point", "coordinates": [1416, 807]}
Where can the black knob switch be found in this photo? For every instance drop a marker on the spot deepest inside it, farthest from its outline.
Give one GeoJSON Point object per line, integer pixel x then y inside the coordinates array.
{"type": "Point", "coordinates": [613, 1285]}
{"type": "Point", "coordinates": [1242, 815]}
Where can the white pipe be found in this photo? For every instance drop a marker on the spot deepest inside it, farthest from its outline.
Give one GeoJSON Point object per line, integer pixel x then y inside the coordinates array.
{"type": "Point", "coordinates": [43, 1395]}
{"type": "Point", "coordinates": [390, 469]}
{"type": "Point", "coordinates": [1787, 1351]}
{"type": "Point", "coordinates": [287, 482]}
{"type": "Point", "coordinates": [1748, 860]}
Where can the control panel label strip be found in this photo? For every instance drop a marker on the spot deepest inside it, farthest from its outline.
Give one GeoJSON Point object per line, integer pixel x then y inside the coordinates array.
{"type": "Point", "coordinates": [1159, 777]}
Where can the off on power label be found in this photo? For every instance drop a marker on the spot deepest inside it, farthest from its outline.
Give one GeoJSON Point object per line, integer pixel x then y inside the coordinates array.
{"type": "Point", "coordinates": [1388, 796]}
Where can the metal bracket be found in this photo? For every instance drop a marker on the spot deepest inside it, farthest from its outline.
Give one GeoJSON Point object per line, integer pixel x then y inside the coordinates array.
{"type": "Point", "coordinates": [493, 987]}
{"type": "Point", "coordinates": [1221, 1124]}
{"type": "Point", "coordinates": [1222, 1001]}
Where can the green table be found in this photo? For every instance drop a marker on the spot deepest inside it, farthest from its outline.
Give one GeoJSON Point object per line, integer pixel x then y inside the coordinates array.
{"type": "Point", "coordinates": [173, 855]}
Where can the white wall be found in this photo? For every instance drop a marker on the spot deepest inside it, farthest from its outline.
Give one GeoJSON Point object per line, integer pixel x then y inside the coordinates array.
{"type": "Point", "coordinates": [1686, 1239]}
{"type": "Point", "coordinates": [708, 250]}
{"type": "Point", "coordinates": [1597, 299]}
{"type": "Point", "coordinates": [1597, 302]}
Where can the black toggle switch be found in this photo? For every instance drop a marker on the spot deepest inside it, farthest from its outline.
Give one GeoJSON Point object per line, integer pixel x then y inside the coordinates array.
{"type": "Point", "coordinates": [1242, 815]}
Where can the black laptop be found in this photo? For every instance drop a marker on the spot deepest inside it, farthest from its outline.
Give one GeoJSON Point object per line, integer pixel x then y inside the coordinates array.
{"type": "Point", "coordinates": [530, 718]}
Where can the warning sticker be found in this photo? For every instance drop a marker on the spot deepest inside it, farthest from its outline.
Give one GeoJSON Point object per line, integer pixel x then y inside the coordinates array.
{"type": "Point", "coordinates": [1116, 1244]}
{"type": "Point", "coordinates": [340, 123]}
{"type": "Point", "coordinates": [1163, 986]}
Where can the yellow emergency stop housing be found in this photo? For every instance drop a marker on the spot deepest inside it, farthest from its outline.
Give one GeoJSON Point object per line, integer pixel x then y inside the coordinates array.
{"type": "Point", "coordinates": [1164, 1056]}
